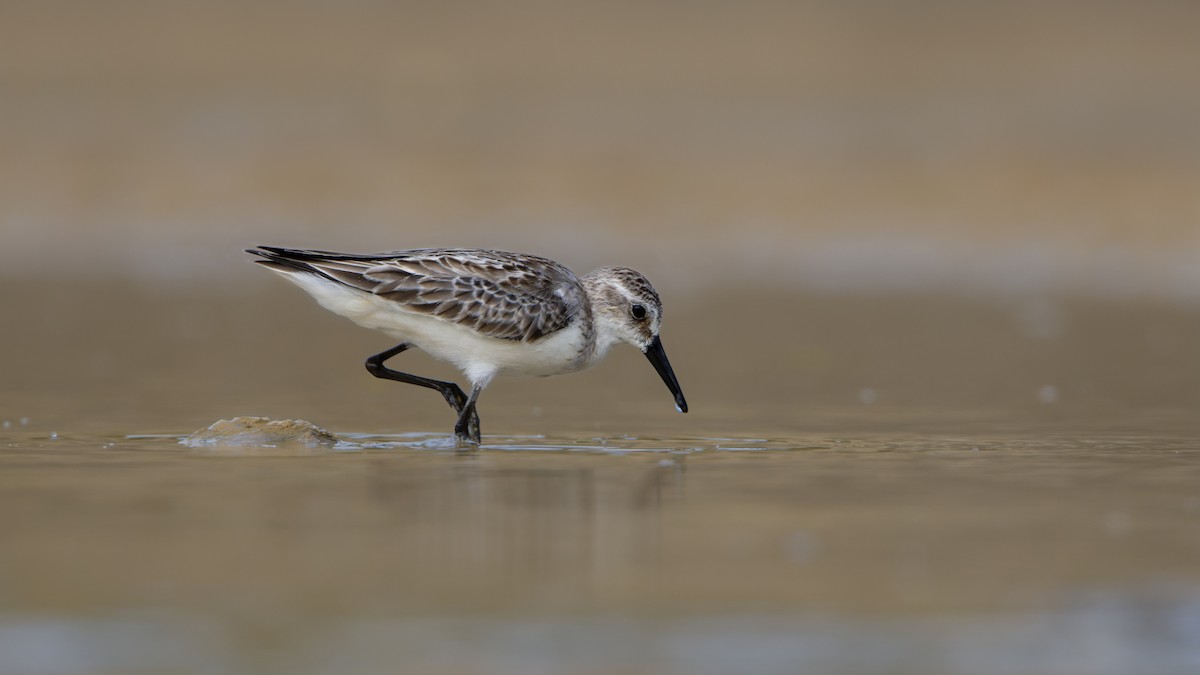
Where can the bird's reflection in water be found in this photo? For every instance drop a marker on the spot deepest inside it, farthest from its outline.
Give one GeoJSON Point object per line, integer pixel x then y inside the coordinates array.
{"type": "Point", "coordinates": [471, 515]}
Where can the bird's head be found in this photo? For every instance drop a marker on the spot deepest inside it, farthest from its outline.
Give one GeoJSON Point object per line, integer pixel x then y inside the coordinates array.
{"type": "Point", "coordinates": [627, 309]}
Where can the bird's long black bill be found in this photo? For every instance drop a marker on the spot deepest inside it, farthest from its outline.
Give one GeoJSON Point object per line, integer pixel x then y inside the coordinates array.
{"type": "Point", "coordinates": [658, 357]}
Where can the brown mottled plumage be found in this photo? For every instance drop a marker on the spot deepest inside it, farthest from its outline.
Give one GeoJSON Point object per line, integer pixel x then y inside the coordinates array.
{"type": "Point", "coordinates": [501, 295]}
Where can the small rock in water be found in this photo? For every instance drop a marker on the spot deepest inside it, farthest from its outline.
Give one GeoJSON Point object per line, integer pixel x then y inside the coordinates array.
{"type": "Point", "coordinates": [251, 432]}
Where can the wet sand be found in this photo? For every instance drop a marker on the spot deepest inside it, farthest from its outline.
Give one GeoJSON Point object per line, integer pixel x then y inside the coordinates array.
{"type": "Point", "coordinates": [940, 520]}
{"type": "Point", "coordinates": [119, 356]}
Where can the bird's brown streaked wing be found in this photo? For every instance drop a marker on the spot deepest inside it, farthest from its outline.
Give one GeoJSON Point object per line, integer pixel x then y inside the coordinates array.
{"type": "Point", "coordinates": [499, 295]}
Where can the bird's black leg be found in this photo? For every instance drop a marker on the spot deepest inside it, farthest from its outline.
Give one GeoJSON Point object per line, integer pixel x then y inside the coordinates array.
{"type": "Point", "coordinates": [451, 392]}
{"type": "Point", "coordinates": [464, 432]}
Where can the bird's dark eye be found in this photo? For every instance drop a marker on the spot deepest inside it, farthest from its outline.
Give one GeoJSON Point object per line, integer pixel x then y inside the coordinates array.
{"type": "Point", "coordinates": [638, 312]}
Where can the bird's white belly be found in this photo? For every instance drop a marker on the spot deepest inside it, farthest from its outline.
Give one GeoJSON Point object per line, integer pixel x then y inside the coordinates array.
{"type": "Point", "coordinates": [479, 357]}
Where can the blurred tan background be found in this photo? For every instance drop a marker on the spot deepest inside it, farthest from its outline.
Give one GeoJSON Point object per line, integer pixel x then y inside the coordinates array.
{"type": "Point", "coordinates": [931, 272]}
{"type": "Point", "coordinates": [855, 188]}
{"type": "Point", "coordinates": [1001, 146]}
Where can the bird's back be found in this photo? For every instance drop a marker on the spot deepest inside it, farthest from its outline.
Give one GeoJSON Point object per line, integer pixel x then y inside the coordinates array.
{"type": "Point", "coordinates": [507, 296]}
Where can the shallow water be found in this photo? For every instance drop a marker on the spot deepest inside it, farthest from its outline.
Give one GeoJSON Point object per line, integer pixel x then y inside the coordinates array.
{"type": "Point", "coordinates": [862, 553]}
{"type": "Point", "coordinates": [873, 485]}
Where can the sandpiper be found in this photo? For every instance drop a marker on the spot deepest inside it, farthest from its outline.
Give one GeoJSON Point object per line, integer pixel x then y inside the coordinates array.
{"type": "Point", "coordinates": [487, 312]}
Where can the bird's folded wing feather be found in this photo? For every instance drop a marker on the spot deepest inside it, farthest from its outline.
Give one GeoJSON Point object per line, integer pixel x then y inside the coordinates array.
{"type": "Point", "coordinates": [508, 297]}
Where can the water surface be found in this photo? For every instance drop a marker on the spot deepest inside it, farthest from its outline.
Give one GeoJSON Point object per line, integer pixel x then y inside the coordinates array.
{"type": "Point", "coordinates": [864, 485]}
{"type": "Point", "coordinates": [849, 554]}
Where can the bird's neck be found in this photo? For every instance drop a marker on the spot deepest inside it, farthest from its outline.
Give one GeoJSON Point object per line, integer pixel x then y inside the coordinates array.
{"type": "Point", "coordinates": [601, 299]}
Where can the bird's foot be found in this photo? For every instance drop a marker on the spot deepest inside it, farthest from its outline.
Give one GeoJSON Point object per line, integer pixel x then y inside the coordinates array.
{"type": "Point", "coordinates": [468, 434]}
